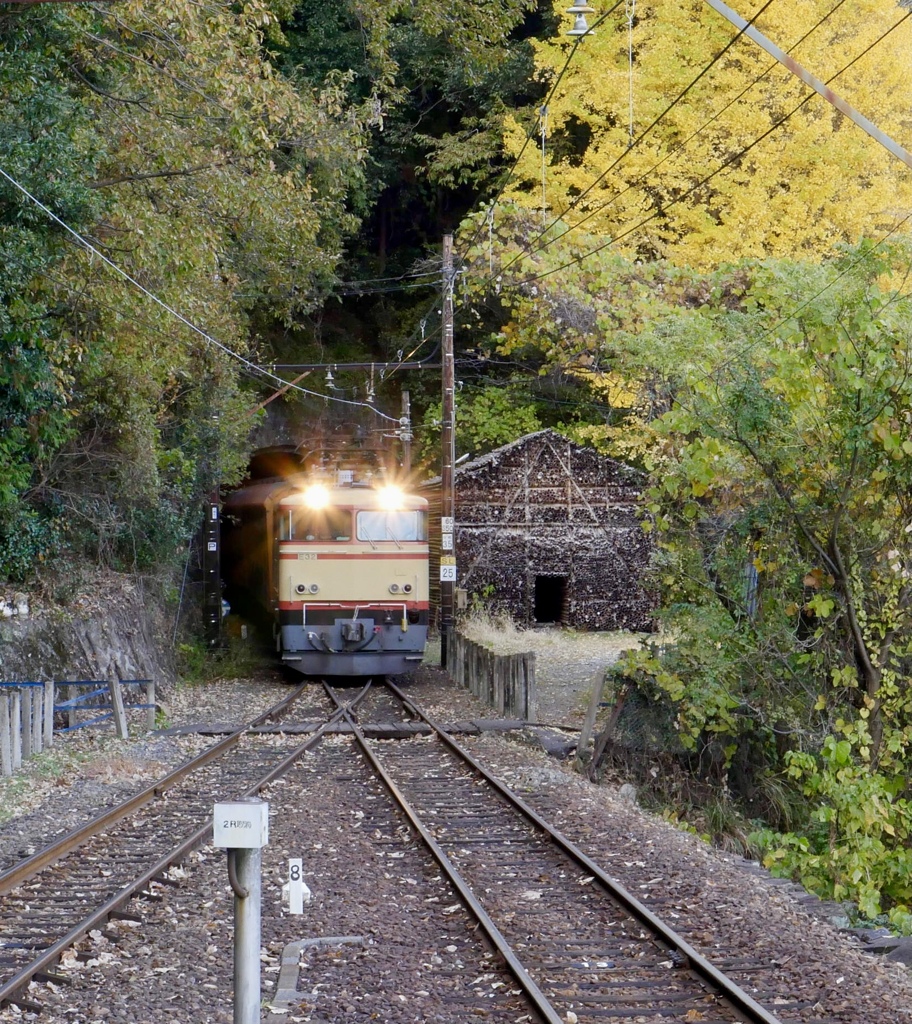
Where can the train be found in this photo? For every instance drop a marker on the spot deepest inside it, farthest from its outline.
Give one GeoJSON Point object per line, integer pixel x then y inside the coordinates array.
{"type": "Point", "coordinates": [336, 565]}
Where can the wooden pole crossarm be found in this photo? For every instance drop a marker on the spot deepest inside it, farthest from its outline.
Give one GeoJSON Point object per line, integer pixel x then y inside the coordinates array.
{"type": "Point", "coordinates": [275, 394]}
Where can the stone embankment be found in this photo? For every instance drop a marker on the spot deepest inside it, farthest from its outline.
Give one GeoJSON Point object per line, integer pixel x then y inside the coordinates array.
{"type": "Point", "coordinates": [116, 626]}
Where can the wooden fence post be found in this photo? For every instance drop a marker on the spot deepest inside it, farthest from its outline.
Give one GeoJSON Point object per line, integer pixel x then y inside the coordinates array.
{"type": "Point", "coordinates": [505, 682]}
{"type": "Point", "coordinates": [6, 750]}
{"type": "Point", "coordinates": [531, 695]}
{"type": "Point", "coordinates": [36, 699]}
{"type": "Point", "coordinates": [25, 723]}
{"type": "Point", "coordinates": [49, 713]}
{"type": "Point", "coordinates": [117, 707]}
{"type": "Point", "coordinates": [16, 728]}
{"type": "Point", "coordinates": [522, 703]}
{"type": "Point", "coordinates": [150, 700]}
{"type": "Point", "coordinates": [598, 685]}
{"type": "Point", "coordinates": [510, 687]}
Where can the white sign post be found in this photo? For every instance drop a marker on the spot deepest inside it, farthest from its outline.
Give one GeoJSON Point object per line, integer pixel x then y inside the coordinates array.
{"type": "Point", "coordinates": [242, 826]}
{"type": "Point", "coordinates": [295, 886]}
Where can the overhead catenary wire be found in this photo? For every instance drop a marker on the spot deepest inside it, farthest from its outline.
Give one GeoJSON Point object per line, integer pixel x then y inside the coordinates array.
{"type": "Point", "coordinates": [746, 349]}
{"type": "Point", "coordinates": [357, 291]}
{"type": "Point", "coordinates": [630, 12]}
{"type": "Point", "coordinates": [508, 173]}
{"type": "Point", "coordinates": [795, 312]}
{"type": "Point", "coordinates": [208, 338]}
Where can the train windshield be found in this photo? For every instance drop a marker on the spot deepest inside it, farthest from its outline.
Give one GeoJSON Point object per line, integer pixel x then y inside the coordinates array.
{"type": "Point", "coordinates": [323, 524]}
{"type": "Point", "coordinates": [379, 525]}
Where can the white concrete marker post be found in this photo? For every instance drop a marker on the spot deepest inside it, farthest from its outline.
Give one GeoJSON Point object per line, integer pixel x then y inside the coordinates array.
{"type": "Point", "coordinates": [295, 886]}
{"type": "Point", "coordinates": [243, 828]}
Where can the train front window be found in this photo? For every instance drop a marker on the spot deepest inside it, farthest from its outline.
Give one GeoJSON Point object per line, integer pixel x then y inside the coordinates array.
{"type": "Point", "coordinates": [378, 525]}
{"type": "Point", "coordinates": [322, 525]}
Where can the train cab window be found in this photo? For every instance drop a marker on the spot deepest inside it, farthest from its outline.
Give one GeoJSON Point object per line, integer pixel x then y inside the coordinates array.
{"type": "Point", "coordinates": [380, 525]}
{"type": "Point", "coordinates": [322, 525]}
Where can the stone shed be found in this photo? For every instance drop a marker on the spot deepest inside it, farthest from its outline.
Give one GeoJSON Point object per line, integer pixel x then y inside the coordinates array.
{"type": "Point", "coordinates": [551, 531]}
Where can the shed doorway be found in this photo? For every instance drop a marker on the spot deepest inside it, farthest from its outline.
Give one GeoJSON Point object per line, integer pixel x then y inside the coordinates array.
{"type": "Point", "coordinates": [550, 599]}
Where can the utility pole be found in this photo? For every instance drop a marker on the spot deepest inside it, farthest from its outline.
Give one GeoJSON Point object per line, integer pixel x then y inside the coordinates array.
{"type": "Point", "coordinates": [212, 570]}
{"type": "Point", "coordinates": [448, 460]}
{"type": "Point", "coordinates": [405, 434]}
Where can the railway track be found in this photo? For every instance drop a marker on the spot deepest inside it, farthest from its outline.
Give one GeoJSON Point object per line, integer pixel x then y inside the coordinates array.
{"type": "Point", "coordinates": [578, 945]}
{"type": "Point", "coordinates": [525, 925]}
{"type": "Point", "coordinates": [51, 899]}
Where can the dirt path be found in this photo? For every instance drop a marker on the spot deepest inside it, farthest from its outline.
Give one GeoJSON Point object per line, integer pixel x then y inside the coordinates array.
{"type": "Point", "coordinates": [567, 663]}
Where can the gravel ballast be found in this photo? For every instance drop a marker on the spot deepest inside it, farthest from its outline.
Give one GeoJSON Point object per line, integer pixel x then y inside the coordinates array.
{"type": "Point", "coordinates": [176, 964]}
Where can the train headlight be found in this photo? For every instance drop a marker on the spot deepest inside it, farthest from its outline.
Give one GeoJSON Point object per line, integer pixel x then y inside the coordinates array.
{"type": "Point", "coordinates": [316, 496]}
{"type": "Point", "coordinates": [394, 588]}
{"type": "Point", "coordinates": [390, 497]}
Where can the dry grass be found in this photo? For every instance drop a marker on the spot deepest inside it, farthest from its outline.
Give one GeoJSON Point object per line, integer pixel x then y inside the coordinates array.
{"type": "Point", "coordinates": [501, 634]}
{"type": "Point", "coordinates": [496, 631]}
{"type": "Point", "coordinates": [567, 662]}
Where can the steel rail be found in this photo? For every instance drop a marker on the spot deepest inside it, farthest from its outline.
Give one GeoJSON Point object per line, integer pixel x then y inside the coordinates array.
{"type": "Point", "coordinates": [733, 993]}
{"type": "Point", "coordinates": [352, 704]}
{"type": "Point", "coordinates": [100, 915]}
{"type": "Point", "coordinates": [30, 866]}
{"type": "Point", "coordinates": [535, 995]}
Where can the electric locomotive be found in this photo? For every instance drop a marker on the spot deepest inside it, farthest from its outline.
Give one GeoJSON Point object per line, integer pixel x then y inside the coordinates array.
{"type": "Point", "coordinates": [338, 566]}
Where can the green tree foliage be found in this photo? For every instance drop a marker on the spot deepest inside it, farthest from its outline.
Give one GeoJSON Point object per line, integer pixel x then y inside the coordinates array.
{"type": "Point", "coordinates": [217, 186]}
{"type": "Point", "coordinates": [48, 144]}
{"type": "Point", "coordinates": [486, 418]}
{"type": "Point", "coordinates": [434, 83]}
{"type": "Point", "coordinates": [771, 404]}
{"type": "Point", "coordinates": [585, 327]}
{"type": "Point", "coordinates": [781, 504]}
{"type": "Point", "coordinates": [434, 79]}
{"type": "Point", "coordinates": [814, 181]}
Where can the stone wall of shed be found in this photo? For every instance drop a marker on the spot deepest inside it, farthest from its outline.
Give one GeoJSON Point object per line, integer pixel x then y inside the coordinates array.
{"type": "Point", "coordinates": [551, 508]}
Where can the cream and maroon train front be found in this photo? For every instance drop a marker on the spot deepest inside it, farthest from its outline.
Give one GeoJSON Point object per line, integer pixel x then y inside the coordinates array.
{"type": "Point", "coordinates": [343, 567]}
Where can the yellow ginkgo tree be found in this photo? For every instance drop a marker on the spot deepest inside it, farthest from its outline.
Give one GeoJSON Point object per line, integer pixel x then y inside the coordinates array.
{"type": "Point", "coordinates": [737, 165]}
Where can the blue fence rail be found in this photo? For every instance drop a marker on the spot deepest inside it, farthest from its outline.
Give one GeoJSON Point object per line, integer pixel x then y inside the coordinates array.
{"type": "Point", "coordinates": [97, 698]}
{"type": "Point", "coordinates": [31, 713]}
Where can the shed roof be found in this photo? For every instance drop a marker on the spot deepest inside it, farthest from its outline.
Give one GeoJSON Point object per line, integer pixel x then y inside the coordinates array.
{"type": "Point", "coordinates": [495, 457]}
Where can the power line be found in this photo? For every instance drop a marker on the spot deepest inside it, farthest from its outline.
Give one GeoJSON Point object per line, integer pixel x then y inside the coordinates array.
{"type": "Point", "coordinates": [790, 316]}
{"type": "Point", "coordinates": [507, 175]}
{"type": "Point", "coordinates": [635, 142]}
{"type": "Point", "coordinates": [354, 289]}
{"type": "Point", "coordinates": [677, 149]}
{"type": "Point", "coordinates": [732, 159]}
{"type": "Point", "coordinates": [86, 244]}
